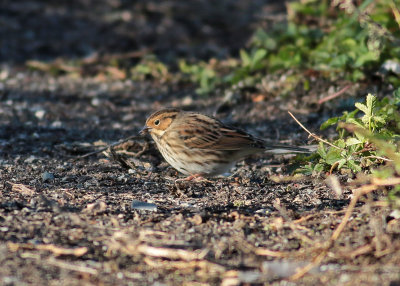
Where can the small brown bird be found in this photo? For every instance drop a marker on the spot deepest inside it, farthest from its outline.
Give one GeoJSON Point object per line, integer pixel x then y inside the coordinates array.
{"type": "Point", "coordinates": [198, 145]}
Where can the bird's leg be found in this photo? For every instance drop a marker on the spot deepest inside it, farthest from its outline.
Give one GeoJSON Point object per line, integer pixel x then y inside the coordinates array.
{"type": "Point", "coordinates": [189, 178]}
{"type": "Point", "coordinates": [194, 177]}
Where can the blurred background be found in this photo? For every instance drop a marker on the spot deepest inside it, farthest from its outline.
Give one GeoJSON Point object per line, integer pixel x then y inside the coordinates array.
{"type": "Point", "coordinates": [45, 30]}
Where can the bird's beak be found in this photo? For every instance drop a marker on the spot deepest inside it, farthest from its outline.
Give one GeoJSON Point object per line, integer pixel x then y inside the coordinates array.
{"type": "Point", "coordinates": [144, 130]}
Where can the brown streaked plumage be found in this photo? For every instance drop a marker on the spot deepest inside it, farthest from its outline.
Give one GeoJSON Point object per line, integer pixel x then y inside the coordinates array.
{"type": "Point", "coordinates": [198, 145]}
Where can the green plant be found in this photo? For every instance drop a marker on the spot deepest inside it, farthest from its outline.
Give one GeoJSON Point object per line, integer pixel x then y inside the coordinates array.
{"type": "Point", "coordinates": [201, 73]}
{"type": "Point", "coordinates": [359, 145]}
{"type": "Point", "coordinates": [249, 63]}
{"type": "Point", "coordinates": [332, 40]}
{"type": "Point", "coordinates": [344, 43]}
{"type": "Point", "coordinates": [150, 66]}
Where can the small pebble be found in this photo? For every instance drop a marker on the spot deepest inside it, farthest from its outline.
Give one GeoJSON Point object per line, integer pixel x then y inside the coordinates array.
{"type": "Point", "coordinates": [96, 102]}
{"type": "Point", "coordinates": [46, 176]}
{"type": "Point", "coordinates": [249, 277]}
{"type": "Point", "coordinates": [96, 207]}
{"type": "Point", "coordinates": [138, 205]}
{"type": "Point", "coordinates": [56, 124]}
{"type": "Point", "coordinates": [31, 159]}
{"type": "Point", "coordinates": [40, 114]}
{"type": "Point", "coordinates": [390, 66]}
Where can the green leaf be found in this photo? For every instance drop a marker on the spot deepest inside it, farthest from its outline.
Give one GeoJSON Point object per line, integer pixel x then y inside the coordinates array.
{"type": "Point", "coordinates": [354, 148]}
{"type": "Point", "coordinates": [257, 57]}
{"type": "Point", "coordinates": [347, 115]}
{"type": "Point", "coordinates": [321, 150]}
{"type": "Point", "coordinates": [333, 156]}
{"type": "Point", "coordinates": [371, 102]}
{"type": "Point", "coordinates": [366, 57]}
{"type": "Point", "coordinates": [360, 136]}
{"type": "Point", "coordinates": [340, 143]}
{"type": "Point", "coordinates": [357, 75]}
{"type": "Point", "coordinates": [318, 167]}
{"type": "Point", "coordinates": [244, 56]}
{"type": "Point", "coordinates": [341, 163]}
{"type": "Point", "coordinates": [354, 166]}
{"type": "Point", "coordinates": [362, 107]}
{"type": "Point", "coordinates": [380, 119]}
{"type": "Point", "coordinates": [353, 141]}
{"type": "Point", "coordinates": [396, 96]}
{"type": "Point", "coordinates": [355, 121]}
{"type": "Point", "coordinates": [331, 121]}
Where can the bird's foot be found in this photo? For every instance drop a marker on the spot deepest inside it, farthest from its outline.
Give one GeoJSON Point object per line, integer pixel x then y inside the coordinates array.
{"type": "Point", "coordinates": [195, 178]}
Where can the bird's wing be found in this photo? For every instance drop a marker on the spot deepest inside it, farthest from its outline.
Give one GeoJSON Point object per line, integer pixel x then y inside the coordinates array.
{"type": "Point", "coordinates": [209, 133]}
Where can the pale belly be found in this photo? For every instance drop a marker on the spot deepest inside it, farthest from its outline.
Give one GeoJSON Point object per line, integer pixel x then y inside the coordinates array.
{"type": "Point", "coordinates": [193, 164]}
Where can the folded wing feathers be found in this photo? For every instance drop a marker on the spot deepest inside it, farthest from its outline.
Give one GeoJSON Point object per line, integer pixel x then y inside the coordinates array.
{"type": "Point", "coordinates": [213, 134]}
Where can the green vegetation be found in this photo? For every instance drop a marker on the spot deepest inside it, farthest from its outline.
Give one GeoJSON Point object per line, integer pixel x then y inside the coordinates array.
{"type": "Point", "coordinates": [367, 147]}
{"type": "Point", "coordinates": [333, 43]}
{"type": "Point", "coordinates": [360, 138]}
{"type": "Point", "coordinates": [151, 67]}
{"type": "Point", "coordinates": [201, 73]}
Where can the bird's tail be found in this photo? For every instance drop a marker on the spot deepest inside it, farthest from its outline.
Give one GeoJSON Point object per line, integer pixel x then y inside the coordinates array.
{"type": "Point", "coordinates": [285, 149]}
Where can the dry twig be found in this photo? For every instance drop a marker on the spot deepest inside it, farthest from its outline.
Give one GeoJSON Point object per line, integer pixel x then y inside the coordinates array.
{"type": "Point", "coordinates": [194, 264]}
{"type": "Point", "coordinates": [171, 253]}
{"type": "Point", "coordinates": [108, 146]}
{"type": "Point", "coordinates": [366, 189]}
{"type": "Point", "coordinates": [266, 252]}
{"type": "Point", "coordinates": [71, 267]}
{"type": "Point", "coordinates": [21, 188]}
{"type": "Point", "coordinates": [57, 251]}
{"type": "Point", "coordinates": [313, 135]}
{"type": "Point", "coordinates": [332, 96]}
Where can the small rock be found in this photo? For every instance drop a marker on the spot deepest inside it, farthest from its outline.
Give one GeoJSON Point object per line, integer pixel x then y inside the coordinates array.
{"type": "Point", "coordinates": [96, 101]}
{"type": "Point", "coordinates": [96, 208]}
{"type": "Point", "coordinates": [46, 176]}
{"type": "Point", "coordinates": [188, 100]}
{"type": "Point", "coordinates": [4, 74]}
{"type": "Point", "coordinates": [40, 114]}
{"type": "Point", "coordinates": [196, 219]}
{"type": "Point", "coordinates": [30, 159]}
{"type": "Point", "coordinates": [263, 211]}
{"type": "Point", "coordinates": [24, 190]}
{"type": "Point", "coordinates": [284, 268]}
{"type": "Point", "coordinates": [56, 124]}
{"type": "Point", "coordinates": [249, 276]}
{"type": "Point", "coordinates": [138, 205]}
{"type": "Point", "coordinates": [186, 205]}
{"type": "Point", "coordinates": [390, 66]}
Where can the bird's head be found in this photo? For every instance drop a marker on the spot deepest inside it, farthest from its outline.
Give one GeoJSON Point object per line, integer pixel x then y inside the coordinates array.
{"type": "Point", "coordinates": [158, 122]}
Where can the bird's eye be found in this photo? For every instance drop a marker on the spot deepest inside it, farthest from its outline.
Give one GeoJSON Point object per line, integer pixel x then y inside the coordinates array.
{"type": "Point", "coordinates": [157, 122]}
